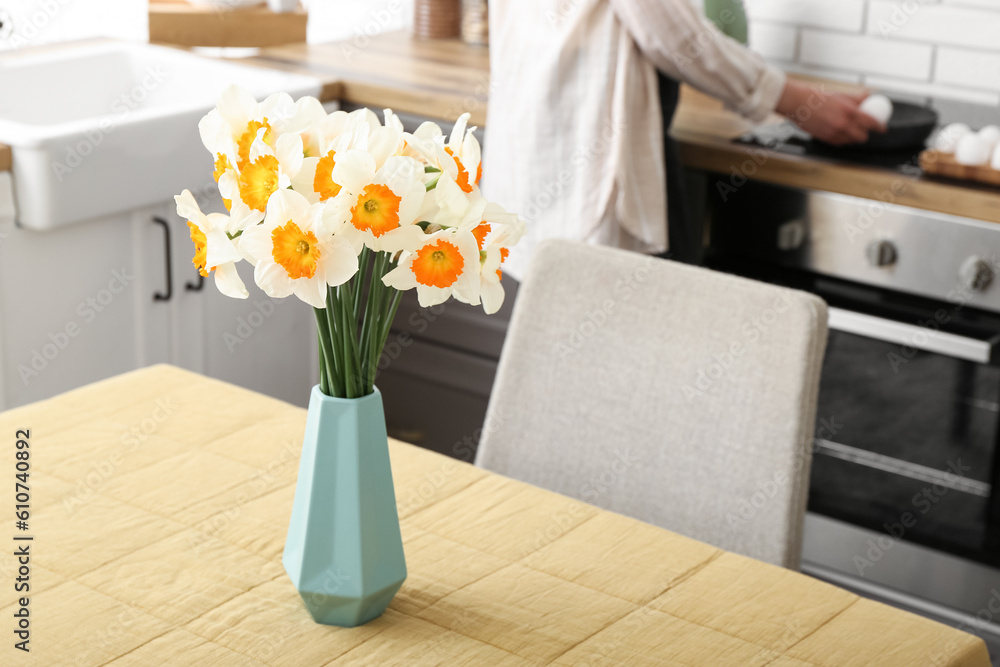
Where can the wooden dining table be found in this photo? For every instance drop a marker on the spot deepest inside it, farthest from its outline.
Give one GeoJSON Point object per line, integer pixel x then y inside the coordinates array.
{"type": "Point", "coordinates": [158, 504]}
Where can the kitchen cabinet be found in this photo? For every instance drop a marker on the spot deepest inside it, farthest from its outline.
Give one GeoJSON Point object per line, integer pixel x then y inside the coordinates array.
{"type": "Point", "coordinates": [264, 344]}
{"type": "Point", "coordinates": [96, 299]}
{"type": "Point", "coordinates": [447, 355]}
{"type": "Point", "coordinates": [69, 314]}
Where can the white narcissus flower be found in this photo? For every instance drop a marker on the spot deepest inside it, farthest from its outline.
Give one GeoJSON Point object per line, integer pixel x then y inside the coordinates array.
{"type": "Point", "coordinates": [307, 191]}
{"type": "Point", "coordinates": [295, 253]}
{"type": "Point", "coordinates": [495, 235]}
{"type": "Point", "coordinates": [446, 264]}
{"type": "Point", "coordinates": [266, 171]}
{"type": "Point", "coordinates": [377, 207]}
{"type": "Point", "coordinates": [229, 130]}
{"type": "Point", "coordinates": [448, 205]}
{"type": "Point", "coordinates": [464, 149]}
{"type": "Point", "coordinates": [213, 249]}
{"type": "Point", "coordinates": [341, 132]}
{"type": "Point", "coordinates": [426, 143]}
{"type": "Point", "coordinates": [338, 126]}
{"type": "Point", "coordinates": [459, 157]}
{"type": "Point", "coordinates": [385, 141]}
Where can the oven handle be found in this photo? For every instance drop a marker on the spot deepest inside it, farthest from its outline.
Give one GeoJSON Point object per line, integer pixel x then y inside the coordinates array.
{"type": "Point", "coordinates": [909, 335]}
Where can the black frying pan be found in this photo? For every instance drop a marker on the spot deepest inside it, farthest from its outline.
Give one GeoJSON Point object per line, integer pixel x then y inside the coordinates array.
{"type": "Point", "coordinates": [909, 127]}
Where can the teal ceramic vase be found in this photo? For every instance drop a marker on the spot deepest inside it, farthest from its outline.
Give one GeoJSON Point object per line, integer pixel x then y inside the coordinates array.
{"type": "Point", "coordinates": [344, 552]}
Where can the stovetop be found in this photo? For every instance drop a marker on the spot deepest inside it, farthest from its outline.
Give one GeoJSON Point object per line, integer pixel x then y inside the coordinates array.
{"type": "Point", "coordinates": [786, 138]}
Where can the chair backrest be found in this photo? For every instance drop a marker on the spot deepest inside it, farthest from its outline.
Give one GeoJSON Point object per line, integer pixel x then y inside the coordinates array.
{"type": "Point", "coordinates": [673, 394]}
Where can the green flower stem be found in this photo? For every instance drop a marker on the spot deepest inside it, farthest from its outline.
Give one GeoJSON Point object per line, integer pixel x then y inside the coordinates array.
{"type": "Point", "coordinates": [370, 323]}
{"type": "Point", "coordinates": [349, 327]}
{"type": "Point", "coordinates": [385, 329]}
{"type": "Point", "coordinates": [326, 346]}
{"type": "Point", "coordinates": [354, 327]}
{"type": "Point", "coordinates": [376, 313]}
{"type": "Point", "coordinates": [324, 382]}
{"type": "Point", "coordinates": [389, 309]}
{"type": "Point", "coordinates": [358, 281]}
{"type": "Point", "coordinates": [339, 334]}
{"type": "Point", "coordinates": [336, 338]}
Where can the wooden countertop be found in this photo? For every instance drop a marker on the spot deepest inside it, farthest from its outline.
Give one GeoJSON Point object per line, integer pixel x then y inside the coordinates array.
{"type": "Point", "coordinates": [705, 132]}
{"type": "Point", "coordinates": [443, 78]}
{"type": "Point", "coordinates": [435, 78]}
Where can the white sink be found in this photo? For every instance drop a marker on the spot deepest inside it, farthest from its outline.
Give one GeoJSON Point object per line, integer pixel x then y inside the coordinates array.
{"type": "Point", "coordinates": [104, 127]}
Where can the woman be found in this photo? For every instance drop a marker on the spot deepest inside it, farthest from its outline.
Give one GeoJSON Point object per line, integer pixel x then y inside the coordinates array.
{"type": "Point", "coordinates": [581, 93]}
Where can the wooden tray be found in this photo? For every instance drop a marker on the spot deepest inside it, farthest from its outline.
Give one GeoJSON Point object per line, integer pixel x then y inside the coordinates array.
{"type": "Point", "coordinates": [944, 164]}
{"type": "Point", "coordinates": [187, 25]}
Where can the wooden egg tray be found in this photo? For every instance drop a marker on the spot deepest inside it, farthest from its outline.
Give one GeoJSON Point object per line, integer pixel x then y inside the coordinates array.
{"type": "Point", "coordinates": [944, 164]}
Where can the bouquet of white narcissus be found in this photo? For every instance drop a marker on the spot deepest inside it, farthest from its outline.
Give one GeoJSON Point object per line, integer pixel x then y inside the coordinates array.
{"type": "Point", "coordinates": [345, 213]}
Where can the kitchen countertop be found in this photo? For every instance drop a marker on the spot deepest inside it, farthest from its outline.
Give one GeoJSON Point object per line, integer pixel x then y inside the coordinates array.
{"type": "Point", "coordinates": [443, 78]}
{"type": "Point", "coordinates": [434, 78]}
{"type": "Point", "coordinates": [705, 132]}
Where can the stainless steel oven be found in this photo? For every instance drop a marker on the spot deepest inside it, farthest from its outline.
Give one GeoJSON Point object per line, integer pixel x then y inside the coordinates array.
{"type": "Point", "coordinates": [904, 499]}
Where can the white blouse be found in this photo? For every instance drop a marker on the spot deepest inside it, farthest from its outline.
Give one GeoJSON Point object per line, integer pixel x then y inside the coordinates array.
{"type": "Point", "coordinates": [574, 132]}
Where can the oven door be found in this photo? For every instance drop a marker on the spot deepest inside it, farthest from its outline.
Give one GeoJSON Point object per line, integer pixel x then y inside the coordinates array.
{"type": "Point", "coordinates": [907, 432]}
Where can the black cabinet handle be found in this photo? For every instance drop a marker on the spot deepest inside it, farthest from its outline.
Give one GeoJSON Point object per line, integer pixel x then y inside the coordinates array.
{"type": "Point", "coordinates": [195, 287]}
{"type": "Point", "coordinates": [165, 296]}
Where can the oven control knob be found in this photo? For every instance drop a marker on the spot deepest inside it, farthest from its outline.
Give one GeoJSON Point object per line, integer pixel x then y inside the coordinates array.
{"type": "Point", "coordinates": [976, 274]}
{"type": "Point", "coordinates": [881, 253]}
{"type": "Point", "coordinates": [791, 235]}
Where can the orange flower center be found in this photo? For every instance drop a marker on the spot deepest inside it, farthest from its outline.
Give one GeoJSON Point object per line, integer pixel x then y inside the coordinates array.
{"type": "Point", "coordinates": [377, 210]}
{"type": "Point", "coordinates": [323, 180]}
{"type": "Point", "coordinates": [480, 232]}
{"type": "Point", "coordinates": [479, 173]}
{"type": "Point", "coordinates": [222, 166]}
{"type": "Point", "coordinates": [246, 140]}
{"type": "Point", "coordinates": [258, 181]}
{"type": "Point", "coordinates": [503, 255]}
{"type": "Point", "coordinates": [295, 250]}
{"type": "Point", "coordinates": [438, 265]}
{"type": "Point", "coordinates": [200, 249]}
{"type": "Point", "coordinates": [463, 174]}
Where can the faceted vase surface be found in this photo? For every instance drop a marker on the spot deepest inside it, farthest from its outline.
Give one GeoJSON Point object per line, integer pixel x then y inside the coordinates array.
{"type": "Point", "coordinates": [344, 552]}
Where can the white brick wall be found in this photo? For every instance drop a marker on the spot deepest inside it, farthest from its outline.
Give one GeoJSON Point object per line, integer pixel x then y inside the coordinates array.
{"type": "Point", "coordinates": [933, 49]}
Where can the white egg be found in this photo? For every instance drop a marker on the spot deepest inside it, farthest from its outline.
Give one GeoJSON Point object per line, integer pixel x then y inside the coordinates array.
{"type": "Point", "coordinates": [878, 107]}
{"type": "Point", "coordinates": [948, 137]}
{"type": "Point", "coordinates": [972, 150]}
{"type": "Point", "coordinates": [990, 134]}
{"type": "Point", "coordinates": [995, 162]}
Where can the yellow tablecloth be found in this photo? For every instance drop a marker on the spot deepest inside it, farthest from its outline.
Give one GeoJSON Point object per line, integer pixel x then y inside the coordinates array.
{"type": "Point", "coordinates": [159, 506]}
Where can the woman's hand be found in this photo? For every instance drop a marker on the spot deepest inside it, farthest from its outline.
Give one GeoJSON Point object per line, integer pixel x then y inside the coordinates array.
{"type": "Point", "coordinates": [831, 117]}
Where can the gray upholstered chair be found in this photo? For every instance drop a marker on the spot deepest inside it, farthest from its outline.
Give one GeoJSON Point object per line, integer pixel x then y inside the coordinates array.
{"type": "Point", "coordinates": [673, 394]}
